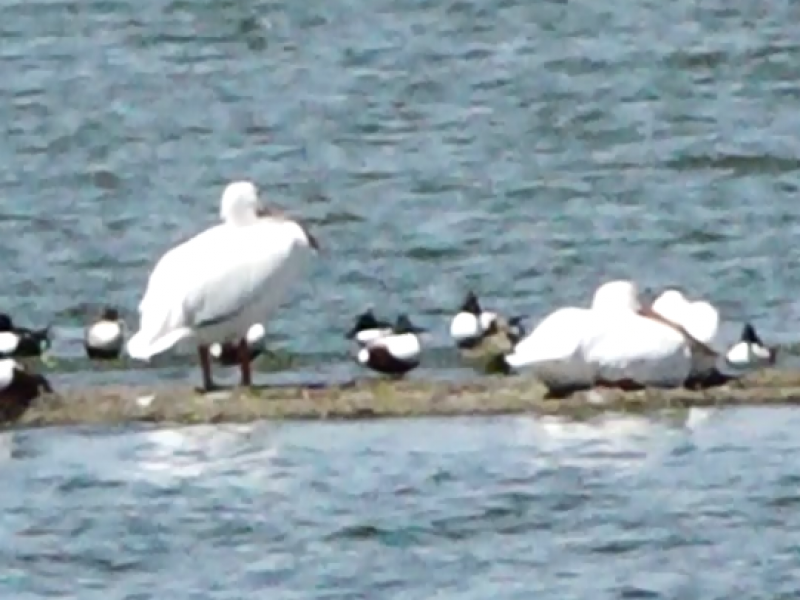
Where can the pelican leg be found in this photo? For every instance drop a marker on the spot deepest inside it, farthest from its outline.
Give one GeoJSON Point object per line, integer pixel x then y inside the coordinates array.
{"type": "Point", "coordinates": [205, 367]}
{"type": "Point", "coordinates": [244, 363]}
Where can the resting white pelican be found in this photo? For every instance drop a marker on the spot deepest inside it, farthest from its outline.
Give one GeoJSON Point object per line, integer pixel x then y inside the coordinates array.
{"type": "Point", "coordinates": [617, 342]}
{"type": "Point", "coordinates": [701, 320]}
{"type": "Point", "coordinates": [630, 347]}
{"type": "Point", "coordinates": [213, 287]}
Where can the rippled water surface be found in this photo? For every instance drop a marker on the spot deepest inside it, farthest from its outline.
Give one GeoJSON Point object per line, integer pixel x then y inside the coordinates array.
{"type": "Point", "coordinates": [527, 150]}
{"type": "Point", "coordinates": [692, 505]}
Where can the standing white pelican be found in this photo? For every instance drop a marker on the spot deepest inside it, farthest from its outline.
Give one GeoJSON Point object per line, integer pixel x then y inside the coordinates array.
{"type": "Point", "coordinates": [213, 287]}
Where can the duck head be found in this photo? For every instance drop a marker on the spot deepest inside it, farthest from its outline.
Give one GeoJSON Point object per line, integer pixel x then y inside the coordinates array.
{"type": "Point", "coordinates": [6, 324]}
{"type": "Point", "coordinates": [109, 313]}
{"type": "Point", "coordinates": [471, 304]}
{"type": "Point", "coordinates": [404, 325]}
{"type": "Point", "coordinates": [366, 321]}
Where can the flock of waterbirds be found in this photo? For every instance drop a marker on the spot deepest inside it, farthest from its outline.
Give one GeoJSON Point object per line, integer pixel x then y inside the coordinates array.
{"type": "Point", "coordinates": [219, 287]}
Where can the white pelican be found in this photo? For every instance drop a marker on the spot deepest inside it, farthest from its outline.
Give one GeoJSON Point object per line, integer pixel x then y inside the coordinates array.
{"type": "Point", "coordinates": [553, 352]}
{"type": "Point", "coordinates": [104, 339]}
{"type": "Point", "coordinates": [617, 342]}
{"type": "Point", "coordinates": [701, 320]}
{"type": "Point", "coordinates": [368, 328]}
{"type": "Point", "coordinates": [213, 287]}
{"type": "Point", "coordinates": [22, 342]}
{"type": "Point", "coordinates": [18, 388]}
{"type": "Point", "coordinates": [396, 353]}
{"type": "Point", "coordinates": [227, 354]}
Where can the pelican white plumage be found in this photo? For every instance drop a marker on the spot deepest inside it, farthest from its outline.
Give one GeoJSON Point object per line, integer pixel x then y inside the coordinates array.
{"type": "Point", "coordinates": [617, 342]}
{"type": "Point", "coordinates": [214, 286]}
{"type": "Point", "coordinates": [630, 347]}
{"type": "Point", "coordinates": [553, 351]}
{"type": "Point", "coordinates": [701, 320]}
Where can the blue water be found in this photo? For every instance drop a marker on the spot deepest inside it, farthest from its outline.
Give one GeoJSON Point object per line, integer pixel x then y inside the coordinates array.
{"type": "Point", "coordinates": [696, 504]}
{"type": "Point", "coordinates": [526, 150]}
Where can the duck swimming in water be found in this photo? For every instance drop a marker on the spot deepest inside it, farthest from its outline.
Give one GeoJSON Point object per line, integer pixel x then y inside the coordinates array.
{"type": "Point", "coordinates": [18, 389]}
{"type": "Point", "coordinates": [213, 287]}
{"type": "Point", "coordinates": [394, 354]}
{"type": "Point", "coordinates": [227, 354]}
{"type": "Point", "coordinates": [21, 342]}
{"type": "Point", "coordinates": [105, 338]}
{"type": "Point", "coordinates": [368, 328]}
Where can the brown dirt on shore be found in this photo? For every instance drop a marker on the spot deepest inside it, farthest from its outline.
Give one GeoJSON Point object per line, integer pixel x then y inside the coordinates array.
{"type": "Point", "coordinates": [375, 398]}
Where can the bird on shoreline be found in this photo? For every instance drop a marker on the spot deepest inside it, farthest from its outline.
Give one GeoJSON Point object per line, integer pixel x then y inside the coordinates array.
{"type": "Point", "coordinates": [480, 333]}
{"type": "Point", "coordinates": [227, 354]}
{"type": "Point", "coordinates": [617, 342]}
{"type": "Point", "coordinates": [18, 389]}
{"type": "Point", "coordinates": [214, 286]}
{"type": "Point", "coordinates": [368, 328]}
{"type": "Point", "coordinates": [747, 355]}
{"type": "Point", "coordinates": [105, 338]}
{"type": "Point", "coordinates": [22, 342]}
{"type": "Point", "coordinates": [395, 354]}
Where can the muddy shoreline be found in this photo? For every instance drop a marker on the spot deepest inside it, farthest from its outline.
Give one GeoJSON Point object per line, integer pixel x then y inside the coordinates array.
{"type": "Point", "coordinates": [374, 398]}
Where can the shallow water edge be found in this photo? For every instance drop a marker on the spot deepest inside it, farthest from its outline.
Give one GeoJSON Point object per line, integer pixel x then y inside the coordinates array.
{"type": "Point", "coordinates": [377, 398]}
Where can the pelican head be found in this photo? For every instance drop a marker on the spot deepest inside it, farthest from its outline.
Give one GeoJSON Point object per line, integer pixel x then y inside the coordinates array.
{"type": "Point", "coordinates": [239, 203]}
{"type": "Point", "coordinates": [617, 296]}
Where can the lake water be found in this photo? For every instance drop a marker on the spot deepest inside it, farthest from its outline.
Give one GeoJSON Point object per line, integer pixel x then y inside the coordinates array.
{"type": "Point", "coordinates": [692, 505]}
{"type": "Point", "coordinates": [526, 150]}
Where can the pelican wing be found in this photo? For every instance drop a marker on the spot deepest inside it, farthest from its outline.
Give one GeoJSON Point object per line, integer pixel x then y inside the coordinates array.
{"type": "Point", "coordinates": [702, 322]}
{"type": "Point", "coordinates": [629, 346]}
{"type": "Point", "coordinates": [214, 277]}
{"type": "Point", "coordinates": [552, 351]}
